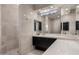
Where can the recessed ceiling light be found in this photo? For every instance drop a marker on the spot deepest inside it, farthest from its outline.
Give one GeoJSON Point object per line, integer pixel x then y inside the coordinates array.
{"type": "Point", "coordinates": [46, 26]}
{"type": "Point", "coordinates": [17, 4]}
{"type": "Point", "coordinates": [51, 6]}
{"type": "Point", "coordinates": [24, 14]}
{"type": "Point", "coordinates": [66, 9]}
{"type": "Point", "coordinates": [31, 12]}
{"type": "Point", "coordinates": [39, 10]}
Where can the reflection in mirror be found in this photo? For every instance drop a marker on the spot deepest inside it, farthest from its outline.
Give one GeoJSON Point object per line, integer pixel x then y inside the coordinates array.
{"type": "Point", "coordinates": [65, 26]}
{"type": "Point", "coordinates": [52, 22]}
{"type": "Point", "coordinates": [34, 25]}
{"type": "Point", "coordinates": [61, 19]}
{"type": "Point", "coordinates": [37, 25]}
{"type": "Point", "coordinates": [77, 25]}
{"type": "Point", "coordinates": [77, 20]}
{"type": "Point", "coordinates": [40, 26]}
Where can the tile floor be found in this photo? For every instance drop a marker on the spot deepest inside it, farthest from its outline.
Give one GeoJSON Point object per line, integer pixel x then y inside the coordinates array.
{"type": "Point", "coordinates": [33, 52]}
{"type": "Point", "coordinates": [36, 52]}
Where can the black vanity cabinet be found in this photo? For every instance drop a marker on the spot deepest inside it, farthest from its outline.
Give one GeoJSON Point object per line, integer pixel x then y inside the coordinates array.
{"type": "Point", "coordinates": [42, 43]}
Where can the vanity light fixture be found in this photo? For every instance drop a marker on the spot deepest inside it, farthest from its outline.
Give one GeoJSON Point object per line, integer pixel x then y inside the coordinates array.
{"type": "Point", "coordinates": [47, 12]}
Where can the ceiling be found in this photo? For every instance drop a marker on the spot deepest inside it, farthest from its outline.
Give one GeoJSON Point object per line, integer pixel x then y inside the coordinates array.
{"type": "Point", "coordinates": [39, 6]}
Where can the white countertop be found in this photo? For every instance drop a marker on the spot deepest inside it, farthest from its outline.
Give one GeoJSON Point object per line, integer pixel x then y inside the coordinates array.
{"type": "Point", "coordinates": [59, 36]}
{"type": "Point", "coordinates": [63, 47]}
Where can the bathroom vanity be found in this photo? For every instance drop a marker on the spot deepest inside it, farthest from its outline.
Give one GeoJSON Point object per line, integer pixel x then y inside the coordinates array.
{"type": "Point", "coordinates": [43, 42]}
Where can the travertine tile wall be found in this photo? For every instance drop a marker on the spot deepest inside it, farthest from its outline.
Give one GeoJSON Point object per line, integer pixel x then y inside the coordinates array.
{"type": "Point", "coordinates": [0, 28]}
{"type": "Point", "coordinates": [17, 27]}
{"type": "Point", "coordinates": [54, 26]}
{"type": "Point", "coordinates": [71, 19]}
{"type": "Point", "coordinates": [25, 28]}
{"type": "Point", "coordinates": [37, 17]}
{"type": "Point", "coordinates": [77, 19]}
{"type": "Point", "coordinates": [9, 18]}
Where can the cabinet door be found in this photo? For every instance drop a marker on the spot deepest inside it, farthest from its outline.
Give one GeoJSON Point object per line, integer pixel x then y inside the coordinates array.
{"type": "Point", "coordinates": [36, 40]}
{"type": "Point", "coordinates": [42, 43]}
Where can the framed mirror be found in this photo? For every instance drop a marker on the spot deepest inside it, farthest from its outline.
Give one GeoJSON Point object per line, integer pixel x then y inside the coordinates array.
{"type": "Point", "coordinates": [65, 26]}
{"type": "Point", "coordinates": [37, 25]}
{"type": "Point", "coordinates": [77, 25]}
